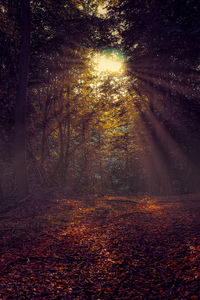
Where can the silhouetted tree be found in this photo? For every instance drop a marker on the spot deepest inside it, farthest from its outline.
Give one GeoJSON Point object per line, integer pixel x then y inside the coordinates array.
{"type": "Point", "coordinates": [20, 115]}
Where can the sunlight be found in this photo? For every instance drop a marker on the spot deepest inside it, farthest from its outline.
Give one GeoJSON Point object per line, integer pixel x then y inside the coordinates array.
{"type": "Point", "coordinates": [112, 63]}
{"type": "Point", "coordinates": [101, 10]}
{"type": "Point", "coordinates": [150, 205]}
{"type": "Point", "coordinates": [106, 64]}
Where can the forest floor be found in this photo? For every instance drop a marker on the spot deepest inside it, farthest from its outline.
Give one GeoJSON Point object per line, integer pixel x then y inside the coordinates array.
{"type": "Point", "coordinates": [101, 247]}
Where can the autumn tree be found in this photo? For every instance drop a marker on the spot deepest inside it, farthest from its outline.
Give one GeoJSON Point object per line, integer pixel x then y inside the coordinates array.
{"type": "Point", "coordinates": [161, 42]}
{"type": "Point", "coordinates": [56, 88]}
{"type": "Point", "coordinates": [61, 35]}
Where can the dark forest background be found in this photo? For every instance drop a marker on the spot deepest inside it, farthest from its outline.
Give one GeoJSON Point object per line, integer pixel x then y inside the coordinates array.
{"type": "Point", "coordinates": [62, 126]}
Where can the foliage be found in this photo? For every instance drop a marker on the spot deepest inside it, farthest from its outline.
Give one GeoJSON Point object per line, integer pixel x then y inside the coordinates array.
{"type": "Point", "coordinates": [161, 41]}
{"type": "Point", "coordinates": [138, 132]}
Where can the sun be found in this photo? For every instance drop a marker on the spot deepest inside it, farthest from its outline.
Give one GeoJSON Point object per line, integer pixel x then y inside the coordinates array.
{"type": "Point", "coordinates": [108, 63]}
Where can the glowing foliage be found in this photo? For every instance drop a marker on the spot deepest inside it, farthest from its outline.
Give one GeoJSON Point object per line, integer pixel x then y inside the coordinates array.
{"type": "Point", "coordinates": [101, 10]}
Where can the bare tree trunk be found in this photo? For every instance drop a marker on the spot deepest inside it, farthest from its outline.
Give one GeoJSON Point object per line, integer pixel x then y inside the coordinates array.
{"type": "Point", "coordinates": [43, 142]}
{"type": "Point", "coordinates": [61, 133]}
{"type": "Point", "coordinates": [1, 191]}
{"type": "Point", "coordinates": [20, 128]}
{"type": "Point", "coordinates": [66, 161]}
{"type": "Point", "coordinates": [45, 111]}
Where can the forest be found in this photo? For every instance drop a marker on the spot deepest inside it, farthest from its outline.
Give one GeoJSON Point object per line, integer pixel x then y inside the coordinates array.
{"type": "Point", "coordinates": [99, 149]}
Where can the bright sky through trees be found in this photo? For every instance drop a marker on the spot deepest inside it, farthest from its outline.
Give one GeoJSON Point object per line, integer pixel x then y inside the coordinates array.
{"type": "Point", "coordinates": [109, 63]}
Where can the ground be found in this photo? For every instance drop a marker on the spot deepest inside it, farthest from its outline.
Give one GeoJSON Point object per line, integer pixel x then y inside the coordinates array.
{"type": "Point", "coordinates": [101, 247]}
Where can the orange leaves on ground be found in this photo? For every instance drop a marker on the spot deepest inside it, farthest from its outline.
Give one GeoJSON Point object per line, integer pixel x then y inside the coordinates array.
{"type": "Point", "coordinates": [145, 249]}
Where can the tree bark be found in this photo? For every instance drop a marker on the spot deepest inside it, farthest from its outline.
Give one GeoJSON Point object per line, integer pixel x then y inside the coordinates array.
{"type": "Point", "coordinates": [20, 128]}
{"type": "Point", "coordinates": [66, 156]}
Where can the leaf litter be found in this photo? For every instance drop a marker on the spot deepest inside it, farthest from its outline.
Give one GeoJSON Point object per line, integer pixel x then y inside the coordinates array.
{"type": "Point", "coordinates": [101, 247]}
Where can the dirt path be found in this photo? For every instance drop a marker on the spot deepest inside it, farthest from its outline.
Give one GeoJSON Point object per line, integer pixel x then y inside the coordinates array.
{"type": "Point", "coordinates": [103, 248]}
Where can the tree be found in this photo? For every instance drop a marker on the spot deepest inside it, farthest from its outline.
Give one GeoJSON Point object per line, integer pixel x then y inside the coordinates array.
{"type": "Point", "coordinates": [20, 128]}
{"type": "Point", "coordinates": [161, 41]}
{"type": "Point", "coordinates": [53, 104]}
{"type": "Point", "coordinates": [62, 35]}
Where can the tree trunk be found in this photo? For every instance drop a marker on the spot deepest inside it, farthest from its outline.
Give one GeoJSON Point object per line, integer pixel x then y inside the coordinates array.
{"type": "Point", "coordinates": [20, 128]}
{"type": "Point", "coordinates": [66, 156]}
{"type": "Point", "coordinates": [1, 191]}
{"type": "Point", "coordinates": [44, 135]}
